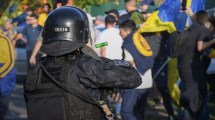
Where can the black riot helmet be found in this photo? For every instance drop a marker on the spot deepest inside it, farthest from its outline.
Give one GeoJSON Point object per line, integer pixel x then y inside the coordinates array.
{"type": "Point", "coordinates": [66, 29]}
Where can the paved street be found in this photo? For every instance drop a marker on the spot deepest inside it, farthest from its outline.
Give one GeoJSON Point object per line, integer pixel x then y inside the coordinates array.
{"type": "Point", "coordinates": [17, 109]}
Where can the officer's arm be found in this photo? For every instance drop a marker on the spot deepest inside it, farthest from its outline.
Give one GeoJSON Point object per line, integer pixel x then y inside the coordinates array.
{"type": "Point", "coordinates": [107, 74]}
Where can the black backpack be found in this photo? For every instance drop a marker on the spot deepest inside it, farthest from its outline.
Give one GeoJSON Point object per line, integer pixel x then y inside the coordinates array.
{"type": "Point", "coordinates": [176, 44]}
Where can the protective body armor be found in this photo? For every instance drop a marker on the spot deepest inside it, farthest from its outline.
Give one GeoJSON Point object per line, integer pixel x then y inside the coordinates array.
{"type": "Point", "coordinates": [82, 74]}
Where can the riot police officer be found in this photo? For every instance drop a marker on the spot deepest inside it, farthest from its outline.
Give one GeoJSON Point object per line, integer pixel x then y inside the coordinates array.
{"type": "Point", "coordinates": [69, 83]}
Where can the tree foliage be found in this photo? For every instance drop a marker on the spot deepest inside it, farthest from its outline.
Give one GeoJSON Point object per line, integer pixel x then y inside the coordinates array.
{"type": "Point", "coordinates": [4, 4]}
{"type": "Point", "coordinates": [34, 4]}
{"type": "Point", "coordinates": [85, 3]}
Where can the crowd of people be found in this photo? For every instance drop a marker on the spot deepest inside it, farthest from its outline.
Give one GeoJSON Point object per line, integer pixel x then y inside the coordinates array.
{"type": "Point", "coordinates": [115, 36]}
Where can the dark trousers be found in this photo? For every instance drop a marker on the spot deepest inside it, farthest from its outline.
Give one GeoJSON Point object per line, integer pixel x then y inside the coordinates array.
{"type": "Point", "coordinates": [133, 104]}
{"type": "Point", "coordinates": [189, 79]}
{"type": "Point", "coordinates": [161, 84]}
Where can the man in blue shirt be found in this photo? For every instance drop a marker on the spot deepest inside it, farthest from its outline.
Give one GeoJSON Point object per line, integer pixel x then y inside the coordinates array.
{"type": "Point", "coordinates": [31, 32]}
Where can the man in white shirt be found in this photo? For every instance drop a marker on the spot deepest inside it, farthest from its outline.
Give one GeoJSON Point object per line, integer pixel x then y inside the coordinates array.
{"type": "Point", "coordinates": [109, 40]}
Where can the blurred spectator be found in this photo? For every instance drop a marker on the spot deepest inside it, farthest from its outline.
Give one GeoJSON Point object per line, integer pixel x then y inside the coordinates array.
{"type": "Point", "coordinates": [7, 74]}
{"type": "Point", "coordinates": [115, 13]}
{"type": "Point", "coordinates": [99, 23]}
{"type": "Point", "coordinates": [38, 9]}
{"type": "Point", "coordinates": [8, 30]}
{"type": "Point", "coordinates": [44, 15]}
{"type": "Point", "coordinates": [31, 31]}
{"type": "Point", "coordinates": [191, 69]}
{"type": "Point", "coordinates": [69, 3]}
{"type": "Point", "coordinates": [20, 20]}
{"type": "Point", "coordinates": [41, 21]}
{"type": "Point", "coordinates": [133, 13]}
{"type": "Point", "coordinates": [110, 40]}
{"type": "Point", "coordinates": [27, 19]}
{"type": "Point", "coordinates": [58, 3]}
{"type": "Point", "coordinates": [147, 7]}
{"type": "Point", "coordinates": [135, 100]}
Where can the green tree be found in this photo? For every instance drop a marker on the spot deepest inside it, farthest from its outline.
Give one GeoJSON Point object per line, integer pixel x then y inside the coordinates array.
{"type": "Point", "coordinates": [86, 3]}
{"type": "Point", "coordinates": [4, 4]}
{"type": "Point", "coordinates": [17, 5]}
{"type": "Point", "coordinates": [32, 3]}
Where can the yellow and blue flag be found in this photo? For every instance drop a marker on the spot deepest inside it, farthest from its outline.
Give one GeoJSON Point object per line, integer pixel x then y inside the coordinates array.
{"type": "Point", "coordinates": [183, 20]}
{"type": "Point", "coordinates": [163, 19]}
{"type": "Point", "coordinates": [170, 17]}
{"type": "Point", "coordinates": [195, 6]}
